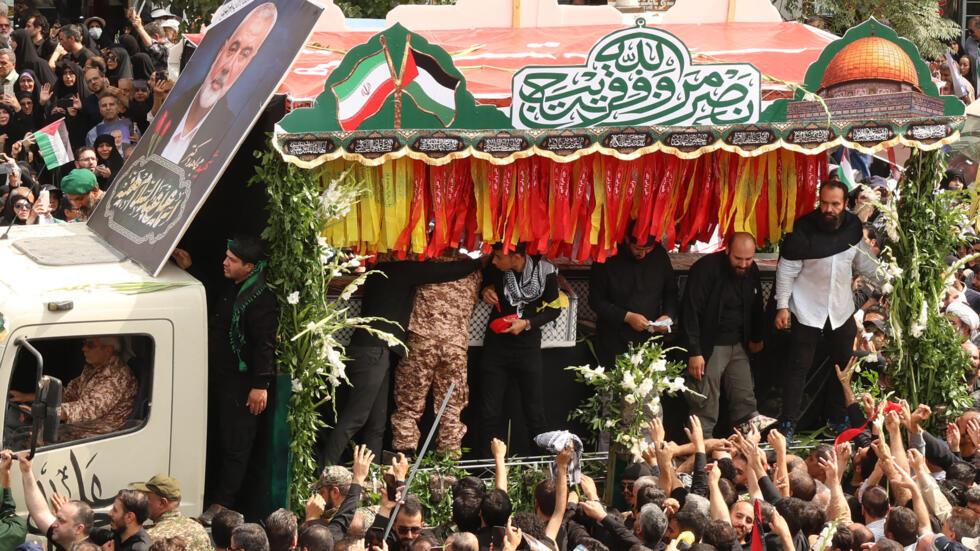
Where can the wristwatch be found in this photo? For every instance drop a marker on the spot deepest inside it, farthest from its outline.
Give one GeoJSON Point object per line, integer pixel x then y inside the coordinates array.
{"type": "Point", "coordinates": [528, 326]}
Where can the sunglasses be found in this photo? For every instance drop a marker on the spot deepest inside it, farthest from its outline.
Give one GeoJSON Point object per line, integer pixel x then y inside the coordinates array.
{"type": "Point", "coordinates": [405, 530]}
{"type": "Point", "coordinates": [22, 206]}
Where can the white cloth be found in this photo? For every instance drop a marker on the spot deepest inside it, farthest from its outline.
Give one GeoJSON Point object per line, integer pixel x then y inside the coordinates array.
{"type": "Point", "coordinates": [817, 289]}
{"type": "Point", "coordinates": [877, 528]}
{"type": "Point", "coordinates": [557, 440]}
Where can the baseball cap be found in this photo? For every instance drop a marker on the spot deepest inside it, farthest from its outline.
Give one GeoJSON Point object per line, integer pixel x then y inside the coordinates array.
{"type": "Point", "coordinates": [170, 24]}
{"type": "Point", "coordinates": [880, 325]}
{"type": "Point", "coordinates": [161, 485]}
{"type": "Point", "coordinates": [334, 475]}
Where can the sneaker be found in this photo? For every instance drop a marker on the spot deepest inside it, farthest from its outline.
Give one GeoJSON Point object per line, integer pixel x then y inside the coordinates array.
{"type": "Point", "coordinates": [757, 423]}
{"type": "Point", "coordinates": [207, 516]}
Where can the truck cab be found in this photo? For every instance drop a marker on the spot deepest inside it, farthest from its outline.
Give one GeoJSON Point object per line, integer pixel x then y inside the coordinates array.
{"type": "Point", "coordinates": [60, 288]}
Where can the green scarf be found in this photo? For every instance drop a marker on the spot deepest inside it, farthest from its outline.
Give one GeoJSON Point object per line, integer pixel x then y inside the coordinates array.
{"type": "Point", "coordinates": [251, 288]}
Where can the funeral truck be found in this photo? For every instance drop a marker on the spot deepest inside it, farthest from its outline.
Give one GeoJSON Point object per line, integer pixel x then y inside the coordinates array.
{"type": "Point", "coordinates": [61, 285]}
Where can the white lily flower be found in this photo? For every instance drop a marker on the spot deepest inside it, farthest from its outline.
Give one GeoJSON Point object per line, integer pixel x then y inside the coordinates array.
{"type": "Point", "coordinates": [629, 382]}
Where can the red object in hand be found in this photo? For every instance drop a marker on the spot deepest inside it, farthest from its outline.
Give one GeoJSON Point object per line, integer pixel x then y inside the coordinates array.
{"type": "Point", "coordinates": [502, 324]}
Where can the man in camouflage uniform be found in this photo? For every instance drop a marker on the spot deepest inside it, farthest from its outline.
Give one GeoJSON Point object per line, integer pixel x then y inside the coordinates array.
{"type": "Point", "coordinates": [437, 342]}
{"type": "Point", "coordinates": [163, 493]}
{"type": "Point", "coordinates": [101, 399]}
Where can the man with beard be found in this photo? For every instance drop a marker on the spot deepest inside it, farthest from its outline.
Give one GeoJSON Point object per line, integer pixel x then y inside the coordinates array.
{"type": "Point", "coordinates": [628, 292]}
{"type": "Point", "coordinates": [813, 296]}
{"type": "Point", "coordinates": [338, 493]}
{"type": "Point", "coordinates": [722, 323]}
{"type": "Point", "coordinates": [129, 511]}
{"type": "Point", "coordinates": [81, 189]}
{"type": "Point", "coordinates": [234, 56]}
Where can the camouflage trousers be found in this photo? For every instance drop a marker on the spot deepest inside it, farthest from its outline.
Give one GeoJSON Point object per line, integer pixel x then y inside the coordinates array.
{"type": "Point", "coordinates": [431, 364]}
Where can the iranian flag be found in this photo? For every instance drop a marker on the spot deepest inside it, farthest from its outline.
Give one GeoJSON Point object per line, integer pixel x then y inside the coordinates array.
{"type": "Point", "coordinates": [364, 92]}
{"type": "Point", "coordinates": [432, 88]}
{"type": "Point", "coordinates": [52, 141]}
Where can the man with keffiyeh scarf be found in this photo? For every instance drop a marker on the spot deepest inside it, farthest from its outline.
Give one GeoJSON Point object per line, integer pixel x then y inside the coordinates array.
{"type": "Point", "coordinates": [241, 359]}
{"type": "Point", "coordinates": [523, 290]}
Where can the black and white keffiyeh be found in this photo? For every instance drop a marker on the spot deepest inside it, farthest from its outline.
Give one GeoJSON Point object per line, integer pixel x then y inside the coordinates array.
{"type": "Point", "coordinates": [531, 285]}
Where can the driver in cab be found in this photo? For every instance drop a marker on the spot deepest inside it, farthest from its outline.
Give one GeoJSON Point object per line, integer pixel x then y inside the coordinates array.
{"type": "Point", "coordinates": [100, 400]}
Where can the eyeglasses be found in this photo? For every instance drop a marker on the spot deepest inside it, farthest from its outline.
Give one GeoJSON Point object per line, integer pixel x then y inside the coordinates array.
{"type": "Point", "coordinates": [405, 530]}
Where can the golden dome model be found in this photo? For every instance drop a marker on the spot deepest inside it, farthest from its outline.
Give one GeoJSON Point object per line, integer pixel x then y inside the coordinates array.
{"type": "Point", "coordinates": [870, 58]}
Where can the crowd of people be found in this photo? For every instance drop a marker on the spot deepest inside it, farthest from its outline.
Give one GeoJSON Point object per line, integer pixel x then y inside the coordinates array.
{"type": "Point", "coordinates": [105, 81]}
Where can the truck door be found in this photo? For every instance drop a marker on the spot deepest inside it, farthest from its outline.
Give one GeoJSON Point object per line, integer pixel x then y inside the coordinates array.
{"type": "Point", "coordinates": [118, 378]}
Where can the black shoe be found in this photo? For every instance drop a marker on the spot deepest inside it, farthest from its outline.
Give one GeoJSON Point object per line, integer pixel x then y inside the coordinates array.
{"type": "Point", "coordinates": [207, 516]}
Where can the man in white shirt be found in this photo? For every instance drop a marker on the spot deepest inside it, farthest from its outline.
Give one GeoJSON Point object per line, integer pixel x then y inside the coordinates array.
{"type": "Point", "coordinates": [814, 299]}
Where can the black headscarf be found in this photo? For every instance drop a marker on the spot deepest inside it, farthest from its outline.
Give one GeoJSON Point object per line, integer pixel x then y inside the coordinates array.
{"type": "Point", "coordinates": [113, 163]}
{"type": "Point", "coordinates": [28, 58]}
{"type": "Point", "coordinates": [143, 66]}
{"type": "Point", "coordinates": [129, 43]}
{"type": "Point", "coordinates": [32, 121]}
{"type": "Point", "coordinates": [123, 70]}
{"type": "Point", "coordinates": [15, 128]}
{"type": "Point", "coordinates": [34, 95]}
{"type": "Point", "coordinates": [61, 91]}
{"type": "Point", "coordinates": [138, 110]}
{"type": "Point", "coordinates": [808, 241]}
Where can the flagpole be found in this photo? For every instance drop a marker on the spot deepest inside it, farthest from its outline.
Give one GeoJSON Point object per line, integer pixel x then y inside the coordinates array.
{"type": "Point", "coordinates": [396, 76]}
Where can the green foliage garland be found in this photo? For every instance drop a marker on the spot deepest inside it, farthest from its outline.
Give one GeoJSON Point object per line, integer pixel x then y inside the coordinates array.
{"type": "Point", "coordinates": [925, 362]}
{"type": "Point", "coordinates": [301, 268]}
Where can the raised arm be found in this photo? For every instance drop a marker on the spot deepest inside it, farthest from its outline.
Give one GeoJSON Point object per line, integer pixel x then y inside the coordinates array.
{"type": "Point", "coordinates": [499, 451]}
{"type": "Point", "coordinates": [837, 510]}
{"type": "Point", "coordinates": [37, 507]}
{"type": "Point", "coordinates": [778, 443]}
{"type": "Point", "coordinates": [561, 493]}
{"type": "Point", "coordinates": [716, 502]}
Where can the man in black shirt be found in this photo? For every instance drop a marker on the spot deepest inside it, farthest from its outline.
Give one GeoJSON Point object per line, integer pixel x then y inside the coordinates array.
{"type": "Point", "coordinates": [129, 511]}
{"type": "Point", "coordinates": [242, 330]}
{"type": "Point", "coordinates": [387, 295]}
{"type": "Point", "coordinates": [722, 321]}
{"type": "Point", "coordinates": [628, 292]}
{"type": "Point", "coordinates": [526, 288]}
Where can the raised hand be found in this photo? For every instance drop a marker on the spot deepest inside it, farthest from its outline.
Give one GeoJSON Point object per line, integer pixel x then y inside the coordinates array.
{"type": "Point", "coordinates": [695, 434]}
{"type": "Point", "coordinates": [657, 432]}
{"type": "Point", "coordinates": [399, 467]}
{"type": "Point", "coordinates": [315, 506]}
{"type": "Point", "coordinates": [777, 441]}
{"type": "Point", "coordinates": [847, 374]}
{"type": "Point", "coordinates": [363, 457]}
{"type": "Point", "coordinates": [921, 414]}
{"type": "Point", "coordinates": [498, 449]}
{"type": "Point", "coordinates": [953, 437]}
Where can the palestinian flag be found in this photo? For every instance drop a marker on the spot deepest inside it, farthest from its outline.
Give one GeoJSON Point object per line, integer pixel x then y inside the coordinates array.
{"type": "Point", "coordinates": [845, 171]}
{"type": "Point", "coordinates": [362, 94]}
{"type": "Point", "coordinates": [52, 141]}
{"type": "Point", "coordinates": [431, 87]}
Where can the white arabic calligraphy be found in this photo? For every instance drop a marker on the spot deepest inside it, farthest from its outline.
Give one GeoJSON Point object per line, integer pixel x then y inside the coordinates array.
{"type": "Point", "coordinates": [636, 76]}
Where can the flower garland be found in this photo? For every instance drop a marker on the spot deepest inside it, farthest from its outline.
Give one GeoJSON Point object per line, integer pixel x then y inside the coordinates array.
{"type": "Point", "coordinates": [626, 397]}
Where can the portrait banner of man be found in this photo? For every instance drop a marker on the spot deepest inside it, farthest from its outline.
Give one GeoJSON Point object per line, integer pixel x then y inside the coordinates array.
{"type": "Point", "coordinates": [212, 107]}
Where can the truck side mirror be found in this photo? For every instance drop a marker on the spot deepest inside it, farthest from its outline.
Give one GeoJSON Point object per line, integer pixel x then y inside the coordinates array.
{"type": "Point", "coordinates": [47, 400]}
{"type": "Point", "coordinates": [45, 409]}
